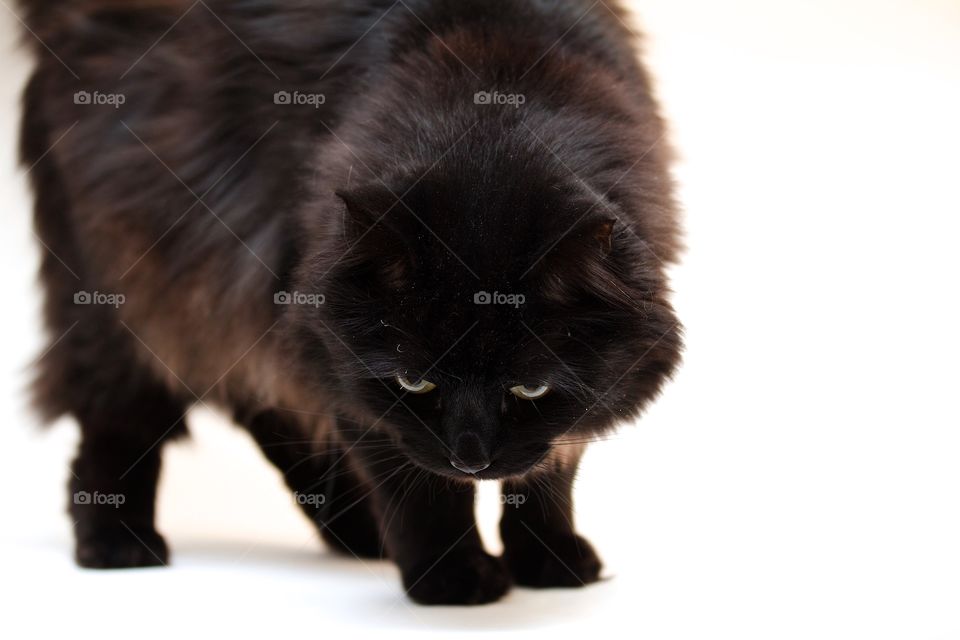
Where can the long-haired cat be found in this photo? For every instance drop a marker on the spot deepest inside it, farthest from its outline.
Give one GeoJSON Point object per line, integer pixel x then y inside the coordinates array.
{"type": "Point", "coordinates": [407, 244]}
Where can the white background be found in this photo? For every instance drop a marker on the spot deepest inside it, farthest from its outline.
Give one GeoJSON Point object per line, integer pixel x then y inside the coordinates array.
{"type": "Point", "coordinates": [801, 477]}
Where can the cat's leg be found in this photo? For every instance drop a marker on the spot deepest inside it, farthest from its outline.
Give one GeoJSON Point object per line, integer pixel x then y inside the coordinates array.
{"type": "Point", "coordinates": [541, 546]}
{"type": "Point", "coordinates": [325, 485]}
{"type": "Point", "coordinates": [92, 371]}
{"type": "Point", "coordinates": [125, 416]}
{"type": "Point", "coordinates": [431, 534]}
{"type": "Point", "coordinates": [114, 483]}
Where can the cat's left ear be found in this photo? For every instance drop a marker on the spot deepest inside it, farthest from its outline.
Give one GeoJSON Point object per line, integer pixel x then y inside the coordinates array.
{"type": "Point", "coordinates": [597, 234]}
{"type": "Point", "coordinates": [596, 221]}
{"type": "Point", "coordinates": [582, 261]}
{"type": "Point", "coordinates": [593, 238]}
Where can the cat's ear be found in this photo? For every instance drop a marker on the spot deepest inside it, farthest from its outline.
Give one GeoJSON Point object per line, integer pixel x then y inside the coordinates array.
{"type": "Point", "coordinates": [591, 238]}
{"type": "Point", "coordinates": [368, 206]}
{"type": "Point", "coordinates": [377, 247]}
{"type": "Point", "coordinates": [592, 234]}
{"type": "Point", "coordinates": [581, 262]}
{"type": "Point", "coordinates": [596, 235]}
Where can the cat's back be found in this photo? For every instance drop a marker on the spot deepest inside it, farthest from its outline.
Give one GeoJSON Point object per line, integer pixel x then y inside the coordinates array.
{"type": "Point", "coordinates": [166, 160]}
{"type": "Point", "coordinates": [175, 132]}
{"type": "Point", "coordinates": [155, 105]}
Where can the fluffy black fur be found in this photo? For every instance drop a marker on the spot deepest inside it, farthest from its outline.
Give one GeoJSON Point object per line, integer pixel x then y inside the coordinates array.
{"type": "Point", "coordinates": [430, 151]}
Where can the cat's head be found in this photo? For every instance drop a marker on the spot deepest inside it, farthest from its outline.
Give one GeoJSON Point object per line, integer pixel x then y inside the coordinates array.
{"type": "Point", "coordinates": [486, 333]}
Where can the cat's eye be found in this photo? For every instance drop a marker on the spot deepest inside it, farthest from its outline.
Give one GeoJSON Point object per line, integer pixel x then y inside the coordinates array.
{"type": "Point", "coordinates": [419, 386]}
{"type": "Point", "coordinates": [524, 392]}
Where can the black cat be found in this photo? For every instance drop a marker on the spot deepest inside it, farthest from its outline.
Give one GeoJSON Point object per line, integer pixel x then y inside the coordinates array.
{"type": "Point", "coordinates": [408, 244]}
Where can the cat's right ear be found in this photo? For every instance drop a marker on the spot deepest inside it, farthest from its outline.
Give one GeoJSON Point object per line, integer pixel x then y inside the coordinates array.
{"type": "Point", "coordinates": [378, 248]}
{"type": "Point", "coordinates": [368, 206]}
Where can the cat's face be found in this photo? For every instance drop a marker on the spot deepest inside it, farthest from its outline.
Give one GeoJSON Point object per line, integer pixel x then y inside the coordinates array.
{"type": "Point", "coordinates": [482, 336]}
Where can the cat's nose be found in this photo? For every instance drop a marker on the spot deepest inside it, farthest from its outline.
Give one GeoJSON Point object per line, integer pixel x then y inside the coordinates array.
{"type": "Point", "coordinates": [471, 469]}
{"type": "Point", "coordinates": [469, 454]}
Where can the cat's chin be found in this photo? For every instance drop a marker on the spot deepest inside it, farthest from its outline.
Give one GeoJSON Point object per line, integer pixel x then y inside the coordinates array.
{"type": "Point", "coordinates": [493, 472]}
{"type": "Point", "coordinates": [513, 466]}
{"type": "Point", "coordinates": [488, 474]}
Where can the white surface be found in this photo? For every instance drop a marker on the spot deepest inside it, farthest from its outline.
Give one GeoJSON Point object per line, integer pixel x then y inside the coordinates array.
{"type": "Point", "coordinates": [801, 478]}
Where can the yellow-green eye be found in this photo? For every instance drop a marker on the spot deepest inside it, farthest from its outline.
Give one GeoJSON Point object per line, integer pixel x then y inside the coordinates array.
{"type": "Point", "coordinates": [420, 386]}
{"type": "Point", "coordinates": [524, 392]}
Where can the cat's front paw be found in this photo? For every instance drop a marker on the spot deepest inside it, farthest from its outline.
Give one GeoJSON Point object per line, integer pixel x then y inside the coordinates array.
{"type": "Point", "coordinates": [463, 576]}
{"type": "Point", "coordinates": [566, 560]}
{"type": "Point", "coordinates": [121, 548]}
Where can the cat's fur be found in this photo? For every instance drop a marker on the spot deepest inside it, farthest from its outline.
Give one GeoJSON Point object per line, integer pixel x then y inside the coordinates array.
{"type": "Point", "coordinates": [388, 206]}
